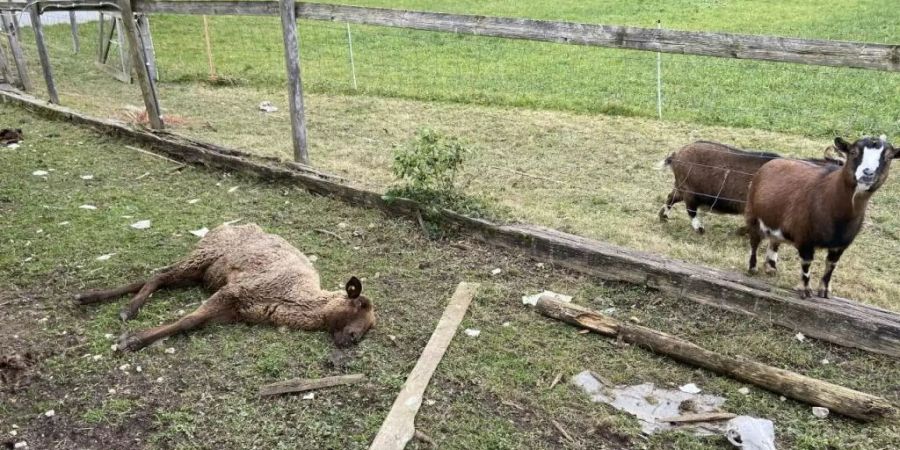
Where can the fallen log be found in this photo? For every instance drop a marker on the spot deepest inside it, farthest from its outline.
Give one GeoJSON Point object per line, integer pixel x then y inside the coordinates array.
{"type": "Point", "coordinates": [839, 399]}
{"type": "Point", "coordinates": [399, 425]}
{"type": "Point", "coordinates": [303, 384]}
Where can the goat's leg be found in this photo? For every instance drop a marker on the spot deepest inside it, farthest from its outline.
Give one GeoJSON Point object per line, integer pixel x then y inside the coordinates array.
{"type": "Point", "coordinates": [174, 276]}
{"type": "Point", "coordinates": [219, 308]}
{"type": "Point", "coordinates": [772, 258]}
{"type": "Point", "coordinates": [99, 295]}
{"type": "Point", "coordinates": [673, 198]}
{"type": "Point", "coordinates": [755, 239]}
{"type": "Point", "coordinates": [693, 213]}
{"type": "Point", "coordinates": [807, 253]}
{"type": "Point", "coordinates": [834, 255]}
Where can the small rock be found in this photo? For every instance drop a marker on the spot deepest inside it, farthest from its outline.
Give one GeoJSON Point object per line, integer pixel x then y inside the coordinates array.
{"type": "Point", "coordinates": [87, 177]}
{"type": "Point", "coordinates": [138, 369]}
{"type": "Point", "coordinates": [820, 412]}
{"type": "Point", "coordinates": [472, 332]}
{"type": "Point", "coordinates": [40, 173]}
{"type": "Point", "coordinates": [201, 232]}
{"type": "Point", "coordinates": [50, 413]}
{"type": "Point", "coordinates": [744, 390]}
{"type": "Point", "coordinates": [13, 432]}
{"type": "Point", "coordinates": [170, 350]}
{"type": "Point", "coordinates": [91, 207]}
{"type": "Point", "coordinates": [141, 225]}
{"type": "Point", "coordinates": [159, 380]}
{"type": "Point", "coordinates": [111, 391]}
{"type": "Point", "coordinates": [309, 396]}
{"type": "Point", "coordinates": [496, 271]}
{"type": "Point", "coordinates": [690, 388]}
{"type": "Point", "coordinates": [800, 337]}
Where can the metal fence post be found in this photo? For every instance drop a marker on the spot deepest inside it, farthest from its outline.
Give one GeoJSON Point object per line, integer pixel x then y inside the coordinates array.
{"type": "Point", "coordinates": [295, 83]}
{"type": "Point", "coordinates": [140, 65]}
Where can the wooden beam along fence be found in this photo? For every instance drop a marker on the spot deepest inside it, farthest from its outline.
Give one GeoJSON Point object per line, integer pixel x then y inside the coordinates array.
{"type": "Point", "coordinates": [860, 55]}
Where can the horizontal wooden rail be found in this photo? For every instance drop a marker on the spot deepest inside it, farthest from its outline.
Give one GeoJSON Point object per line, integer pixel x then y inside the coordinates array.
{"type": "Point", "coordinates": [817, 52]}
{"type": "Point", "coordinates": [840, 321]}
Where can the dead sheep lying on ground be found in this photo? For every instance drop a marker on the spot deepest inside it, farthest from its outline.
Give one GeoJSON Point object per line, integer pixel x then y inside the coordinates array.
{"type": "Point", "coordinates": [256, 278]}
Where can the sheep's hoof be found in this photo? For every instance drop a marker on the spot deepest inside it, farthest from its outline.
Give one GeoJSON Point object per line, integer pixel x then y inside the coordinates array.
{"type": "Point", "coordinates": [823, 293]}
{"type": "Point", "coordinates": [128, 343]}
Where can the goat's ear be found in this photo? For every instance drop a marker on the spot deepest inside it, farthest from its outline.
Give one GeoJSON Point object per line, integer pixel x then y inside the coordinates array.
{"type": "Point", "coordinates": [353, 287]}
{"type": "Point", "coordinates": [841, 145]}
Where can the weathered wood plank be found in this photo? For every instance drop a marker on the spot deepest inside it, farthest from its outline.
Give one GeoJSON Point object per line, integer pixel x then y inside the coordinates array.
{"type": "Point", "coordinates": [816, 392]}
{"type": "Point", "coordinates": [399, 425]}
{"type": "Point", "coordinates": [12, 36]}
{"type": "Point", "coordinates": [43, 56]}
{"type": "Point", "coordinates": [124, 50]}
{"type": "Point", "coordinates": [303, 384]}
{"type": "Point", "coordinates": [295, 83]}
{"type": "Point", "coordinates": [5, 70]}
{"type": "Point", "coordinates": [725, 45]}
{"type": "Point", "coordinates": [143, 26]}
{"type": "Point", "coordinates": [141, 66]}
{"type": "Point", "coordinates": [73, 26]}
{"type": "Point", "coordinates": [840, 321]}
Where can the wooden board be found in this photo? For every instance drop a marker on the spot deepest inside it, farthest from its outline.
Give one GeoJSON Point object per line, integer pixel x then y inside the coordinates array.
{"type": "Point", "coordinates": [35, 15]}
{"type": "Point", "coordinates": [295, 84]}
{"type": "Point", "coordinates": [399, 426]}
{"type": "Point", "coordinates": [840, 321]}
{"type": "Point", "coordinates": [303, 384]}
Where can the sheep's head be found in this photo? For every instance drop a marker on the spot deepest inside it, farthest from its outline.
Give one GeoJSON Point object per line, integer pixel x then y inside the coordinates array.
{"type": "Point", "coordinates": [353, 317]}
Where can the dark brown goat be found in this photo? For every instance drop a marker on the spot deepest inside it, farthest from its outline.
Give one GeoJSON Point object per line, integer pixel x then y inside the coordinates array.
{"type": "Point", "coordinates": [257, 278]}
{"type": "Point", "coordinates": [715, 176]}
{"type": "Point", "coordinates": [812, 206]}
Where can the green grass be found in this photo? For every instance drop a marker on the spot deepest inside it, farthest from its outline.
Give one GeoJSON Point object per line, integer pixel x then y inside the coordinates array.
{"type": "Point", "coordinates": [489, 392]}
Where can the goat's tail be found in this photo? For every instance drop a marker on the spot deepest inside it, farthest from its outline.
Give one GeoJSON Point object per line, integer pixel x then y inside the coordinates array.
{"type": "Point", "coordinates": [667, 162]}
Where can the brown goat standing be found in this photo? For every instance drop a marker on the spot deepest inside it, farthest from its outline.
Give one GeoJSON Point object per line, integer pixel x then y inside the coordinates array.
{"type": "Point", "coordinates": [257, 278]}
{"type": "Point", "coordinates": [813, 206]}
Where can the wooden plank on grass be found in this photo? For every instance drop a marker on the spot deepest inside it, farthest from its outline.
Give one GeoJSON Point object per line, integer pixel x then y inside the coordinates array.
{"type": "Point", "coordinates": [303, 384]}
{"type": "Point", "coordinates": [43, 56]}
{"type": "Point", "coordinates": [399, 426]}
{"type": "Point", "coordinates": [840, 321]}
{"type": "Point", "coordinates": [816, 392]}
{"type": "Point", "coordinates": [295, 83]}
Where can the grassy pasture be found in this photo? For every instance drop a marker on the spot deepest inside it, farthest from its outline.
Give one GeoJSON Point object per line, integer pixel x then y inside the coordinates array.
{"type": "Point", "coordinates": [489, 392]}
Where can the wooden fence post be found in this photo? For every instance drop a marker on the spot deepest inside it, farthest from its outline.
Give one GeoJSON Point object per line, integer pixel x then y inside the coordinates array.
{"type": "Point", "coordinates": [12, 35]}
{"type": "Point", "coordinates": [73, 24]}
{"type": "Point", "coordinates": [143, 25]}
{"type": "Point", "coordinates": [35, 15]}
{"type": "Point", "coordinates": [140, 65]}
{"type": "Point", "coordinates": [295, 84]}
{"type": "Point", "coordinates": [5, 71]}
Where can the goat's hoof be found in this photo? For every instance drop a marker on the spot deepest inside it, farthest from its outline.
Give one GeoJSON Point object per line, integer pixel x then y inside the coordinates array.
{"type": "Point", "coordinates": [663, 217]}
{"type": "Point", "coordinates": [771, 271]}
{"type": "Point", "coordinates": [805, 293]}
{"type": "Point", "coordinates": [128, 343]}
{"type": "Point", "coordinates": [752, 271]}
{"type": "Point", "coordinates": [701, 230]}
{"type": "Point", "coordinates": [823, 293]}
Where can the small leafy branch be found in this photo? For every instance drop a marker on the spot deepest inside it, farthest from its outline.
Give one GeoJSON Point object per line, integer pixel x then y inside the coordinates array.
{"type": "Point", "coordinates": [427, 168]}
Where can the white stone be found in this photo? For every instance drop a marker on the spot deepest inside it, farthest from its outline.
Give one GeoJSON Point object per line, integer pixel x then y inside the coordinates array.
{"type": "Point", "coordinates": [820, 412]}
{"type": "Point", "coordinates": [170, 350]}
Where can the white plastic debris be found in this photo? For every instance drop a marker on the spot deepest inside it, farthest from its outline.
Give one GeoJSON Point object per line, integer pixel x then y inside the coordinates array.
{"type": "Point", "coordinates": [13, 146]}
{"type": "Point", "coordinates": [506, 324]}
{"type": "Point", "coordinates": [690, 388]}
{"type": "Point", "coordinates": [744, 390]}
{"type": "Point", "coordinates": [64, 223]}
{"type": "Point", "coordinates": [13, 432]}
{"type": "Point", "coordinates": [50, 413]}
{"type": "Point", "coordinates": [201, 232]}
{"type": "Point", "coordinates": [91, 207]}
{"type": "Point", "coordinates": [114, 348]}
{"type": "Point", "coordinates": [109, 336]}
{"type": "Point", "coordinates": [87, 177]}
{"type": "Point", "coordinates": [820, 412]}
{"type": "Point", "coordinates": [125, 367]}
{"type": "Point", "coordinates": [97, 357]}
{"type": "Point", "coordinates": [532, 299]}
{"type": "Point", "coordinates": [105, 257]}
{"type": "Point", "coordinates": [825, 362]}
{"type": "Point", "coordinates": [472, 332]}
{"type": "Point", "coordinates": [234, 188]}
{"type": "Point", "coordinates": [170, 350]}
{"type": "Point", "coordinates": [40, 173]}
{"type": "Point", "coordinates": [141, 225]}
{"type": "Point", "coordinates": [20, 444]}
{"type": "Point", "coordinates": [751, 433]}
{"type": "Point", "coordinates": [800, 337]}
{"type": "Point", "coordinates": [138, 369]}
{"type": "Point", "coordinates": [193, 200]}
{"type": "Point", "coordinates": [309, 396]}
{"type": "Point", "coordinates": [496, 271]}
{"type": "Point", "coordinates": [267, 106]}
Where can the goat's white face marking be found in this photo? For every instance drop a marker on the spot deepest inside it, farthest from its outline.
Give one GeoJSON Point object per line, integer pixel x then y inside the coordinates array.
{"type": "Point", "coordinates": [695, 222]}
{"type": "Point", "coordinates": [867, 170]}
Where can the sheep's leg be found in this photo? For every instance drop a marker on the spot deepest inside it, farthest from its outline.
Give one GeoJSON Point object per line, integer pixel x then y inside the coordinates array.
{"type": "Point", "coordinates": [772, 258]}
{"type": "Point", "coordinates": [673, 198]}
{"type": "Point", "coordinates": [96, 296]}
{"type": "Point", "coordinates": [218, 308]}
{"type": "Point", "coordinates": [834, 255]}
{"type": "Point", "coordinates": [807, 254]}
{"type": "Point", "coordinates": [175, 276]}
{"type": "Point", "coordinates": [755, 239]}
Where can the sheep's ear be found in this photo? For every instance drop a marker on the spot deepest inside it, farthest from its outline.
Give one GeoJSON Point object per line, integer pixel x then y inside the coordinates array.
{"type": "Point", "coordinates": [353, 287]}
{"type": "Point", "coordinates": [841, 145]}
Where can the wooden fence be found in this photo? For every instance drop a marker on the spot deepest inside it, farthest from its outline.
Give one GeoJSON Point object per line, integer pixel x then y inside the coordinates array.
{"type": "Point", "coordinates": [872, 56]}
